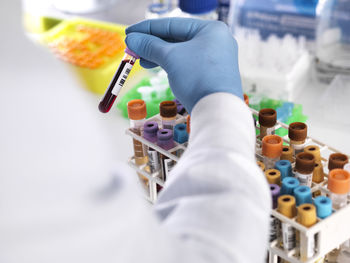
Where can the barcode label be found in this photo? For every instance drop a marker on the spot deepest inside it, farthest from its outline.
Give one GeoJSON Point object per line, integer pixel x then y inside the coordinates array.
{"type": "Point", "coordinates": [288, 236]}
{"type": "Point", "coordinates": [273, 228]}
{"type": "Point", "coordinates": [122, 78]}
{"type": "Point", "coordinates": [304, 179]}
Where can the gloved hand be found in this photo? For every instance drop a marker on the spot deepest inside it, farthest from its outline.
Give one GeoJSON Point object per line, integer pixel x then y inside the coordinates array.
{"type": "Point", "coordinates": [199, 56]}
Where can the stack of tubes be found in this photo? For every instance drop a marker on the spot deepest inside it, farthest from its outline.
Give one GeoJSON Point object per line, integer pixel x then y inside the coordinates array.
{"type": "Point", "coordinates": [291, 189]}
{"type": "Point", "coordinates": [163, 132]}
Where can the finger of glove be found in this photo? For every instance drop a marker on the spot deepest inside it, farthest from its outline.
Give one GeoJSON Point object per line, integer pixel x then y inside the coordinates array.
{"type": "Point", "coordinates": [176, 29]}
{"type": "Point", "coordinates": [148, 47]}
{"type": "Point", "coordinates": [147, 64]}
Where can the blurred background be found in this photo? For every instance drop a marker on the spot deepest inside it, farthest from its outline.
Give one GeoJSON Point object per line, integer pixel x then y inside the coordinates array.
{"type": "Point", "coordinates": [58, 56]}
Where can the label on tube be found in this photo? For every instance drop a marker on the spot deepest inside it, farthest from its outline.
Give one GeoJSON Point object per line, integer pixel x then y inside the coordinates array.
{"type": "Point", "coordinates": [121, 80]}
{"type": "Point", "coordinates": [153, 160]}
{"type": "Point", "coordinates": [288, 236]}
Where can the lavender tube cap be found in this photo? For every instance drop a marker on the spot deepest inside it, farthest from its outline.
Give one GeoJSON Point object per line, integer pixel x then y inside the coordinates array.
{"type": "Point", "coordinates": [150, 129]}
{"type": "Point", "coordinates": [275, 192]}
{"type": "Point", "coordinates": [165, 139]}
{"type": "Point", "coordinates": [131, 53]}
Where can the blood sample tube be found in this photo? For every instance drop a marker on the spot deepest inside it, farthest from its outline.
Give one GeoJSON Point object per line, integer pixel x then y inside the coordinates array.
{"type": "Point", "coordinates": [275, 191]}
{"type": "Point", "coordinates": [288, 185]}
{"type": "Point", "coordinates": [261, 165]}
{"type": "Point", "coordinates": [271, 150]}
{"type": "Point", "coordinates": [286, 206]}
{"type": "Point", "coordinates": [304, 166]}
{"type": "Point", "coordinates": [118, 80]}
{"type": "Point", "coordinates": [339, 186]}
{"type": "Point", "coordinates": [165, 141]}
{"type": "Point", "coordinates": [180, 133]}
{"type": "Point", "coordinates": [297, 133]}
{"type": "Point", "coordinates": [315, 151]}
{"type": "Point", "coordinates": [323, 206]}
{"type": "Point", "coordinates": [287, 153]}
{"type": "Point", "coordinates": [285, 167]}
{"type": "Point", "coordinates": [337, 161]}
{"type": "Point", "coordinates": [150, 129]}
{"type": "Point", "coordinates": [273, 176]}
{"type": "Point", "coordinates": [168, 112]}
{"type": "Point", "coordinates": [302, 195]}
{"type": "Point", "coordinates": [137, 113]}
{"type": "Point", "coordinates": [267, 121]}
{"type": "Point", "coordinates": [307, 217]}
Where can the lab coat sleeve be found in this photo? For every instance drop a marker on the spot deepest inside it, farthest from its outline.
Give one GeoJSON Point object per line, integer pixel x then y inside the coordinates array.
{"type": "Point", "coordinates": [216, 199]}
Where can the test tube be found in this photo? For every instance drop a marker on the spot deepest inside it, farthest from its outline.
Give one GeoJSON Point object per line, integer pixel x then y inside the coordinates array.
{"type": "Point", "coordinates": [165, 141]}
{"type": "Point", "coordinates": [302, 195]}
{"type": "Point", "coordinates": [150, 129]}
{"type": "Point", "coordinates": [261, 165]}
{"type": "Point", "coordinates": [288, 185]}
{"type": "Point", "coordinates": [337, 161]}
{"type": "Point", "coordinates": [285, 167]}
{"type": "Point", "coordinates": [318, 174]}
{"type": "Point", "coordinates": [273, 176]}
{"type": "Point", "coordinates": [339, 186]}
{"type": "Point", "coordinates": [297, 133]}
{"type": "Point", "coordinates": [180, 133]}
{"type": "Point", "coordinates": [137, 114]}
{"type": "Point", "coordinates": [286, 206]}
{"type": "Point", "coordinates": [275, 191]}
{"type": "Point", "coordinates": [315, 151]}
{"type": "Point", "coordinates": [118, 80]}
{"type": "Point", "coordinates": [287, 153]}
{"type": "Point", "coordinates": [267, 121]}
{"type": "Point", "coordinates": [271, 150]}
{"type": "Point", "coordinates": [307, 217]}
{"type": "Point", "coordinates": [168, 112]}
{"type": "Point", "coordinates": [304, 166]}
{"type": "Point", "coordinates": [323, 206]}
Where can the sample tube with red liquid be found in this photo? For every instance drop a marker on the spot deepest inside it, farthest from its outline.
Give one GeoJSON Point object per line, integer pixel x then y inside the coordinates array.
{"type": "Point", "coordinates": [118, 80]}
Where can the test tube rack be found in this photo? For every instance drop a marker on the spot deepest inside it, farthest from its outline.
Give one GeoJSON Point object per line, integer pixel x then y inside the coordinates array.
{"type": "Point", "coordinates": [327, 234]}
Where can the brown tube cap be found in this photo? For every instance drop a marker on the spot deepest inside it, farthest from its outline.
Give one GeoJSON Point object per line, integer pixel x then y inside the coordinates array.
{"type": "Point", "coordinates": [315, 151]}
{"type": "Point", "coordinates": [137, 110]}
{"type": "Point", "coordinates": [267, 117]}
{"type": "Point", "coordinates": [287, 153]}
{"type": "Point", "coordinates": [337, 160]}
{"type": "Point", "coordinates": [272, 146]}
{"type": "Point", "coordinates": [318, 174]}
{"type": "Point", "coordinates": [307, 215]}
{"type": "Point", "coordinates": [261, 165]}
{"type": "Point", "coordinates": [273, 176]}
{"type": "Point", "coordinates": [339, 181]}
{"type": "Point", "coordinates": [305, 163]}
{"type": "Point", "coordinates": [297, 131]}
{"type": "Point", "coordinates": [286, 206]}
{"type": "Point", "coordinates": [168, 109]}
{"type": "Point", "coordinates": [246, 99]}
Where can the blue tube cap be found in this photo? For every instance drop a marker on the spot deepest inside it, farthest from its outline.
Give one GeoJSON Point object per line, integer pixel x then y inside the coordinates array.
{"type": "Point", "coordinates": [288, 185]}
{"type": "Point", "coordinates": [285, 167]}
{"type": "Point", "coordinates": [180, 133]}
{"type": "Point", "coordinates": [323, 206]}
{"type": "Point", "coordinates": [302, 195]}
{"type": "Point", "coordinates": [198, 6]}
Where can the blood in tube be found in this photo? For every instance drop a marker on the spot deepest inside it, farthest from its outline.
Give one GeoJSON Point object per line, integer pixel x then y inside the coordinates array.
{"type": "Point", "coordinates": [118, 81]}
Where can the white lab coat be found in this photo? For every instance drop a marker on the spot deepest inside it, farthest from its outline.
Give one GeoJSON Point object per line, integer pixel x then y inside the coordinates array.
{"type": "Point", "coordinates": [214, 208]}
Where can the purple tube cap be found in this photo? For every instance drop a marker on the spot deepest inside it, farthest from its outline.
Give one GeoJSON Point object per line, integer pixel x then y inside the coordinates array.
{"type": "Point", "coordinates": [131, 53]}
{"type": "Point", "coordinates": [150, 129]}
{"type": "Point", "coordinates": [165, 139]}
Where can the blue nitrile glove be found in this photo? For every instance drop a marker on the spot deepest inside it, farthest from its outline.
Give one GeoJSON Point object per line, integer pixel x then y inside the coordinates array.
{"type": "Point", "coordinates": [199, 56]}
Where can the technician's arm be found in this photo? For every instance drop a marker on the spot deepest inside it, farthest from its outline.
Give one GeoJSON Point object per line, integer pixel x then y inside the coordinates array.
{"type": "Point", "coordinates": [216, 200]}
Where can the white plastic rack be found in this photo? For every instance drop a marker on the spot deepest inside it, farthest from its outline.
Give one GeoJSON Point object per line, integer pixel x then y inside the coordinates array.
{"type": "Point", "coordinates": [327, 234]}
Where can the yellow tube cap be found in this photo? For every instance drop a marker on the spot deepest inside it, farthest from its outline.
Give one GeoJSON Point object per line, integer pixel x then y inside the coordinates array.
{"type": "Point", "coordinates": [318, 174]}
{"type": "Point", "coordinates": [315, 151]}
{"type": "Point", "coordinates": [273, 176]}
{"type": "Point", "coordinates": [307, 215]}
{"type": "Point", "coordinates": [261, 165]}
{"type": "Point", "coordinates": [286, 206]}
{"type": "Point", "coordinates": [287, 153]}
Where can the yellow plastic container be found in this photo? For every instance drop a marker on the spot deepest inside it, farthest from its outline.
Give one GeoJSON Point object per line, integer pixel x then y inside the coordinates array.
{"type": "Point", "coordinates": [93, 49]}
